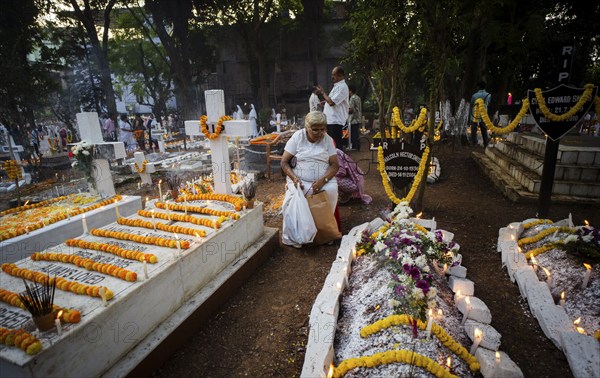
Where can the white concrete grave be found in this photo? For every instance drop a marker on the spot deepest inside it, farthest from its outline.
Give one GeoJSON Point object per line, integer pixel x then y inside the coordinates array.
{"type": "Point", "coordinates": [89, 129]}
{"type": "Point", "coordinates": [492, 368]}
{"type": "Point", "coordinates": [101, 342]}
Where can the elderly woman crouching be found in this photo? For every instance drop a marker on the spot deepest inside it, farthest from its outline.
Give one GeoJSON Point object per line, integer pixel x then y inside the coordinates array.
{"type": "Point", "coordinates": [316, 162]}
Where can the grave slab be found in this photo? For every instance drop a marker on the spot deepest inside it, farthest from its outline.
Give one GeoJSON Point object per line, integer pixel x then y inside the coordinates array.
{"type": "Point", "coordinates": [554, 320]}
{"type": "Point", "coordinates": [458, 271]}
{"type": "Point", "coordinates": [478, 310]}
{"type": "Point", "coordinates": [538, 297]}
{"type": "Point", "coordinates": [583, 354]}
{"type": "Point", "coordinates": [466, 286]}
{"type": "Point", "coordinates": [491, 337]}
{"type": "Point", "coordinates": [490, 369]}
{"type": "Point", "coordinates": [525, 277]}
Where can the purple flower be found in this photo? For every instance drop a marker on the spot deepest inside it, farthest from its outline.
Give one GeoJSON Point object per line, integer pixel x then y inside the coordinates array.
{"type": "Point", "coordinates": [439, 236]}
{"type": "Point", "coordinates": [423, 285]}
{"type": "Point", "coordinates": [399, 290]}
{"type": "Point", "coordinates": [415, 273]}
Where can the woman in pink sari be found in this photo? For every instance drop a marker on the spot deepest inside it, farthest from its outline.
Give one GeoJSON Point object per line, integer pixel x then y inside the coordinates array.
{"type": "Point", "coordinates": [351, 183]}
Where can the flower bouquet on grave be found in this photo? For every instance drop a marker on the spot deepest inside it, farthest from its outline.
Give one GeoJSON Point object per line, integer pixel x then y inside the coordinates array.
{"type": "Point", "coordinates": [174, 183]}
{"type": "Point", "coordinates": [584, 244]}
{"type": "Point", "coordinates": [83, 152]}
{"type": "Point", "coordinates": [39, 301]}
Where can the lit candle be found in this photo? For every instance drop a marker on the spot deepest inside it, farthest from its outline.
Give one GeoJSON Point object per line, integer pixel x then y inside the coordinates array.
{"type": "Point", "coordinates": [445, 269]}
{"type": "Point", "coordinates": [419, 215]}
{"type": "Point", "coordinates": [534, 264]}
{"type": "Point", "coordinates": [178, 245]}
{"type": "Point", "coordinates": [498, 360]}
{"type": "Point", "coordinates": [185, 202]}
{"type": "Point", "coordinates": [145, 267]}
{"type": "Point", "coordinates": [429, 323]}
{"type": "Point", "coordinates": [478, 336]}
{"type": "Point", "coordinates": [57, 323]}
{"type": "Point", "coordinates": [197, 237]}
{"type": "Point", "coordinates": [562, 299]}
{"type": "Point", "coordinates": [159, 190]}
{"type": "Point", "coordinates": [85, 228]}
{"type": "Point", "coordinates": [467, 310]}
{"type": "Point", "coordinates": [139, 185]}
{"type": "Point", "coordinates": [117, 209]}
{"type": "Point", "coordinates": [27, 229]}
{"type": "Point", "coordinates": [153, 220]}
{"type": "Point", "coordinates": [330, 371]}
{"type": "Point", "coordinates": [548, 279]}
{"type": "Point", "coordinates": [167, 207]}
{"type": "Point", "coordinates": [102, 293]}
{"type": "Point", "coordinates": [440, 313]}
{"type": "Point", "coordinates": [448, 363]}
{"type": "Point", "coordinates": [509, 99]}
{"type": "Point", "coordinates": [587, 275]}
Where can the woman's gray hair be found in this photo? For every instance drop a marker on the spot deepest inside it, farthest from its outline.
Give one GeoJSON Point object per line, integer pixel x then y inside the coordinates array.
{"type": "Point", "coordinates": [315, 118]}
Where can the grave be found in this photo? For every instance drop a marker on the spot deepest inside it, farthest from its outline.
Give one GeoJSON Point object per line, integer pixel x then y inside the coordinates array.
{"type": "Point", "coordinates": [135, 331]}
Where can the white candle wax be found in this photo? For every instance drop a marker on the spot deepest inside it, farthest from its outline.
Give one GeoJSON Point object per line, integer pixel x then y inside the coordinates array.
{"type": "Point", "coordinates": [185, 203]}
{"type": "Point", "coordinates": [85, 227]}
{"type": "Point", "coordinates": [58, 326]}
{"type": "Point", "coordinates": [477, 339]}
{"type": "Point", "coordinates": [159, 190]}
{"type": "Point", "coordinates": [498, 360]}
{"type": "Point", "coordinates": [102, 293]}
{"type": "Point", "coordinates": [562, 299]}
{"type": "Point", "coordinates": [167, 207]}
{"type": "Point", "coordinates": [153, 220]}
{"type": "Point", "coordinates": [586, 275]}
{"type": "Point", "coordinates": [145, 269]}
{"type": "Point", "coordinates": [467, 310]}
{"type": "Point", "coordinates": [429, 324]}
{"type": "Point", "coordinates": [117, 210]}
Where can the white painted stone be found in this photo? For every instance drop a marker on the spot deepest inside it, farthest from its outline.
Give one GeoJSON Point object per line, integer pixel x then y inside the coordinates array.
{"type": "Point", "coordinates": [478, 309]}
{"type": "Point", "coordinates": [515, 261]}
{"type": "Point", "coordinates": [136, 309]}
{"type": "Point", "coordinates": [583, 354]}
{"type": "Point", "coordinates": [89, 127]}
{"type": "Point", "coordinates": [192, 128]}
{"type": "Point", "coordinates": [23, 246]}
{"type": "Point", "coordinates": [554, 320]}
{"type": "Point", "coordinates": [489, 369]}
{"type": "Point", "coordinates": [466, 286]}
{"type": "Point", "coordinates": [238, 128]}
{"type": "Point", "coordinates": [538, 296]}
{"type": "Point", "coordinates": [458, 271]}
{"type": "Point", "coordinates": [491, 337]}
{"type": "Point", "coordinates": [144, 177]}
{"type": "Point", "coordinates": [319, 348]}
{"type": "Point", "coordinates": [525, 276]}
{"type": "Point", "coordinates": [447, 236]}
{"type": "Point", "coordinates": [430, 224]}
{"type": "Point", "coordinates": [376, 224]}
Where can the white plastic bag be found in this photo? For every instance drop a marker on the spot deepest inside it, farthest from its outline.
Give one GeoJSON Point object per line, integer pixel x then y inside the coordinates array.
{"type": "Point", "coordinates": [298, 224]}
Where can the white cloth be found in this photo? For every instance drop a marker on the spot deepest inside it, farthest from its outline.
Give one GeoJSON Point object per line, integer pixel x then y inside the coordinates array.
{"type": "Point", "coordinates": [252, 116]}
{"type": "Point", "coordinates": [338, 113]}
{"type": "Point", "coordinates": [312, 158]}
{"type": "Point", "coordinates": [313, 102]}
{"type": "Point", "coordinates": [240, 113]}
{"type": "Point", "coordinates": [125, 134]}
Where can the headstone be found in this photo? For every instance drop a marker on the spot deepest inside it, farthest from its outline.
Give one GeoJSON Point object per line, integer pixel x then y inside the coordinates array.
{"type": "Point", "coordinates": [466, 286]}
{"type": "Point", "coordinates": [505, 368]}
{"type": "Point", "coordinates": [89, 129]}
{"type": "Point", "coordinates": [401, 162]}
{"type": "Point", "coordinates": [477, 310]}
{"type": "Point", "coordinates": [145, 177]}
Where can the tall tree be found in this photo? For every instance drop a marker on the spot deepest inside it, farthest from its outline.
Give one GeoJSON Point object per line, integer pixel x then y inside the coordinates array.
{"type": "Point", "coordinates": [312, 17]}
{"type": "Point", "coordinates": [87, 16]}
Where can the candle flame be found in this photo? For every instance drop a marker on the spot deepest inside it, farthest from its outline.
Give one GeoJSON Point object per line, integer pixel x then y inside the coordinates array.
{"type": "Point", "coordinates": [419, 215]}
{"type": "Point", "coordinates": [577, 321]}
{"type": "Point", "coordinates": [497, 356]}
{"type": "Point", "coordinates": [176, 236]}
{"type": "Point", "coordinates": [586, 222]}
{"type": "Point", "coordinates": [339, 285]}
{"type": "Point", "coordinates": [587, 266]}
{"type": "Point", "coordinates": [449, 362]}
{"type": "Point", "coordinates": [478, 333]}
{"type": "Point", "coordinates": [512, 237]}
{"type": "Point", "coordinates": [143, 258]}
{"type": "Point", "coordinates": [83, 216]}
{"type": "Point", "coordinates": [533, 260]}
{"type": "Point", "coordinates": [468, 300]}
{"type": "Point", "coordinates": [59, 314]}
{"type": "Point", "coordinates": [519, 249]}
{"type": "Point", "coordinates": [457, 293]}
{"type": "Point", "coordinates": [546, 271]}
{"type": "Point", "coordinates": [159, 181]}
{"type": "Point", "coordinates": [430, 312]}
{"type": "Point", "coordinates": [581, 330]}
{"type": "Point", "coordinates": [440, 312]}
{"type": "Point", "coordinates": [26, 202]}
{"type": "Point", "coordinates": [562, 295]}
{"type": "Point", "coordinates": [330, 372]}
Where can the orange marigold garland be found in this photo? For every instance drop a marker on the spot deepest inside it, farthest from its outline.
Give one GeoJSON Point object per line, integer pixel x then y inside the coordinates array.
{"type": "Point", "coordinates": [198, 209]}
{"type": "Point", "coordinates": [161, 242]}
{"type": "Point", "coordinates": [161, 226]}
{"type": "Point", "coordinates": [113, 249]}
{"type": "Point", "coordinates": [143, 169]}
{"type": "Point", "coordinates": [68, 315]}
{"type": "Point", "coordinates": [237, 202]}
{"type": "Point", "coordinates": [88, 264]}
{"type": "Point", "coordinates": [21, 339]}
{"type": "Point", "coordinates": [32, 206]}
{"type": "Point", "coordinates": [185, 218]}
{"type": "Point", "coordinates": [218, 127]}
{"type": "Point", "coordinates": [61, 283]}
{"type": "Point", "coordinates": [13, 170]}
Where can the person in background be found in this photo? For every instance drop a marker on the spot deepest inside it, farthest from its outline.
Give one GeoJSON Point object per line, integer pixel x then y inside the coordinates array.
{"type": "Point", "coordinates": [354, 116]}
{"type": "Point", "coordinates": [139, 131]}
{"type": "Point", "coordinates": [336, 105]}
{"type": "Point", "coordinates": [125, 131]}
{"type": "Point", "coordinates": [314, 103]}
{"type": "Point", "coordinates": [316, 159]}
{"type": "Point", "coordinates": [35, 141]}
{"type": "Point", "coordinates": [350, 180]}
{"type": "Point", "coordinates": [485, 96]}
{"type": "Point", "coordinates": [110, 129]}
{"type": "Point", "coordinates": [151, 124]}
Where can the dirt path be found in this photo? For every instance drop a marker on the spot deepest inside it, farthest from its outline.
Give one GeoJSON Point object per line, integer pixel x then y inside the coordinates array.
{"type": "Point", "coordinates": [262, 330]}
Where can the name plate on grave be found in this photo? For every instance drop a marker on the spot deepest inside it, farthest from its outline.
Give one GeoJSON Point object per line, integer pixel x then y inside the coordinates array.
{"type": "Point", "coordinates": [559, 100]}
{"type": "Point", "coordinates": [401, 162]}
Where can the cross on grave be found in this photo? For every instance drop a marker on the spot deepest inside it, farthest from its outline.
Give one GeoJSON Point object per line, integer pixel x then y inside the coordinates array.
{"type": "Point", "coordinates": [215, 109]}
{"type": "Point", "coordinates": [89, 129]}
{"type": "Point", "coordinates": [145, 176]}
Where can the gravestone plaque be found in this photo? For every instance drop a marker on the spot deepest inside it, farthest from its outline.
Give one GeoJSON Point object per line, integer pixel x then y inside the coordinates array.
{"type": "Point", "coordinates": [559, 100]}
{"type": "Point", "coordinates": [401, 162]}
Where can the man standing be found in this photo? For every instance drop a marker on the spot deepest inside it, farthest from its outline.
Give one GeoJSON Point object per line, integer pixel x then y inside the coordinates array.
{"type": "Point", "coordinates": [336, 105]}
{"type": "Point", "coordinates": [354, 116]}
{"type": "Point", "coordinates": [150, 125]}
{"type": "Point", "coordinates": [485, 96]}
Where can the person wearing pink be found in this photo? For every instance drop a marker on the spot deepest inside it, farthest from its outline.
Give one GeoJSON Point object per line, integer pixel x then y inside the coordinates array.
{"type": "Point", "coordinates": [350, 179]}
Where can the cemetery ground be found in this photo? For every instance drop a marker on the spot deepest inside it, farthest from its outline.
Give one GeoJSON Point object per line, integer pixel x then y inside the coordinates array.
{"type": "Point", "coordinates": [263, 329]}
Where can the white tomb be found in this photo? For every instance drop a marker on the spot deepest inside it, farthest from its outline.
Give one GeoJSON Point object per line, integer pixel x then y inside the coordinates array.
{"type": "Point", "coordinates": [139, 160]}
